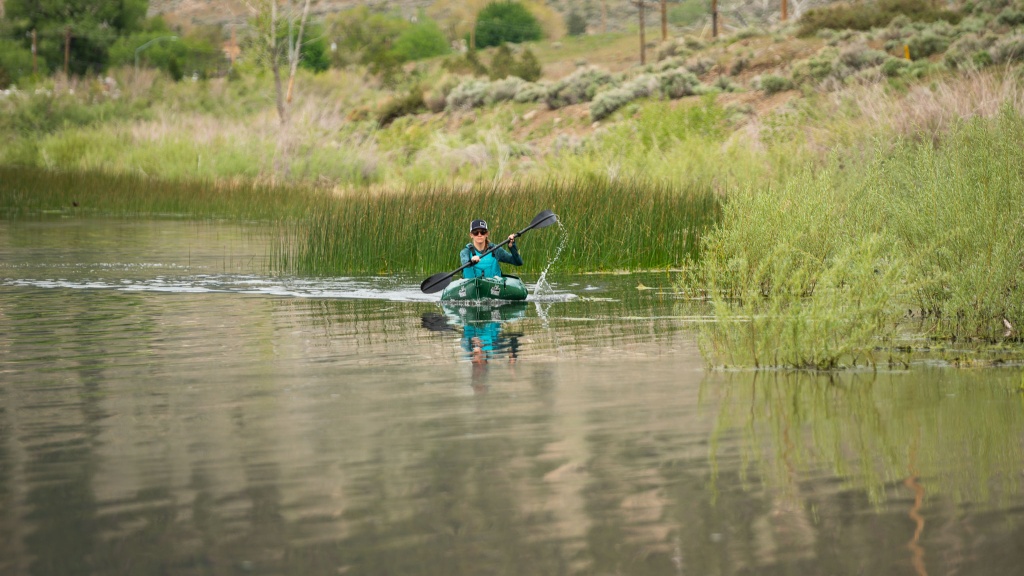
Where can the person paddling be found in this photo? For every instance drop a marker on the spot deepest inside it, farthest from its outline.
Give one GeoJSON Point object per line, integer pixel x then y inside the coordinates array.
{"type": "Point", "coordinates": [488, 265]}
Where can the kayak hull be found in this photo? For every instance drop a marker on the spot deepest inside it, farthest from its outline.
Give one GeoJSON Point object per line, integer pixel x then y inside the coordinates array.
{"type": "Point", "coordinates": [496, 288]}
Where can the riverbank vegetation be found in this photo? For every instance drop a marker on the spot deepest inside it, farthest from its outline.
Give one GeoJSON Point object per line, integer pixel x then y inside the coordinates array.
{"type": "Point", "coordinates": [856, 170]}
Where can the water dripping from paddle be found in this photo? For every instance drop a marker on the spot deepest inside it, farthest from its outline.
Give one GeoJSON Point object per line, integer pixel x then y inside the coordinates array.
{"type": "Point", "coordinates": [542, 281]}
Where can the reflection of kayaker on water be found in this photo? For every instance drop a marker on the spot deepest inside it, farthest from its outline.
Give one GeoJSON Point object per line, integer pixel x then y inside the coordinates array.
{"type": "Point", "coordinates": [485, 342]}
{"type": "Point", "coordinates": [486, 266]}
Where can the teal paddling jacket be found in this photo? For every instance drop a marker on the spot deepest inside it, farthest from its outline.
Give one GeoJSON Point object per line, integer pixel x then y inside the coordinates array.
{"type": "Point", "coordinates": [488, 265]}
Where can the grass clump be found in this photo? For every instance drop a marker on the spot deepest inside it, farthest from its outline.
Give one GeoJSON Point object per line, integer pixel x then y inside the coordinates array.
{"type": "Point", "coordinates": [822, 271]}
{"type": "Point", "coordinates": [660, 227]}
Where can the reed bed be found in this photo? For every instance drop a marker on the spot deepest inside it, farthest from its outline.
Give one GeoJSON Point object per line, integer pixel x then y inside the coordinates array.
{"type": "Point", "coordinates": [605, 225]}
{"type": "Point", "coordinates": [835, 268]}
{"type": "Point", "coordinates": [26, 190]}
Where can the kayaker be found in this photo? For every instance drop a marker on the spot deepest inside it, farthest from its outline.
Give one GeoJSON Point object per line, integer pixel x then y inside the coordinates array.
{"type": "Point", "coordinates": [487, 266]}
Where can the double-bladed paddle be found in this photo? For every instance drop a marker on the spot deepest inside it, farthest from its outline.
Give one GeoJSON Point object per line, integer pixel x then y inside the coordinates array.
{"type": "Point", "coordinates": [438, 281]}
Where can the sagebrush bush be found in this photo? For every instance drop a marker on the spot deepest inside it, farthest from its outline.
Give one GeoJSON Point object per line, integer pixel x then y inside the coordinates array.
{"type": "Point", "coordinates": [530, 92]}
{"type": "Point", "coordinates": [895, 66]}
{"type": "Point", "coordinates": [965, 51]}
{"type": "Point", "coordinates": [580, 86]}
{"type": "Point", "coordinates": [611, 100]}
{"type": "Point", "coordinates": [1008, 49]}
{"type": "Point", "coordinates": [671, 48]}
{"type": "Point", "coordinates": [471, 93]}
{"type": "Point", "coordinates": [1011, 17]}
{"type": "Point", "coordinates": [504, 90]}
{"type": "Point", "coordinates": [772, 84]}
{"type": "Point", "coordinates": [678, 83]}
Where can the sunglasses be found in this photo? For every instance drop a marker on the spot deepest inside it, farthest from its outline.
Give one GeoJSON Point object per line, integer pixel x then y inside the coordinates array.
{"type": "Point", "coordinates": [479, 232]}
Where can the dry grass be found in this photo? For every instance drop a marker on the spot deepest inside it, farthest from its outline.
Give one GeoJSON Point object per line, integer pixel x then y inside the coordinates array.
{"type": "Point", "coordinates": [929, 111]}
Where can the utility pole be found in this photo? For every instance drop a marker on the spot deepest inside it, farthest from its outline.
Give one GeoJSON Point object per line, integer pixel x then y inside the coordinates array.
{"type": "Point", "coordinates": [664, 20]}
{"type": "Point", "coordinates": [714, 18]}
{"type": "Point", "coordinates": [785, 11]}
{"type": "Point", "coordinates": [67, 48]}
{"type": "Point", "coordinates": [34, 51]}
{"type": "Point", "coordinates": [643, 39]}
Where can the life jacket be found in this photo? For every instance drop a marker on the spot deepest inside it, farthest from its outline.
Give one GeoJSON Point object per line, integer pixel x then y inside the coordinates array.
{"type": "Point", "coordinates": [486, 267]}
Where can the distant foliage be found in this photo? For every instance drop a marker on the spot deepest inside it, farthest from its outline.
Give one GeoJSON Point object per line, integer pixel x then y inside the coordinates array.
{"type": "Point", "coordinates": [580, 86]}
{"type": "Point", "coordinates": [772, 84]}
{"type": "Point", "coordinates": [611, 100]}
{"type": "Point", "coordinates": [1009, 49]}
{"type": "Point", "coordinates": [575, 24]}
{"type": "Point", "coordinates": [411, 103]}
{"type": "Point", "coordinates": [183, 55]}
{"type": "Point", "coordinates": [864, 16]}
{"type": "Point", "coordinates": [15, 62]}
{"type": "Point", "coordinates": [424, 39]}
{"type": "Point", "coordinates": [501, 22]}
{"type": "Point", "coordinates": [502, 62]}
{"type": "Point", "coordinates": [970, 51]}
{"type": "Point", "coordinates": [528, 68]}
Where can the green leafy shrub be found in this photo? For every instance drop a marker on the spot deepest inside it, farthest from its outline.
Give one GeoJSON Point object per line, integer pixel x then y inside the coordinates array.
{"type": "Point", "coordinates": [678, 83]}
{"type": "Point", "coordinates": [506, 21]}
{"type": "Point", "coordinates": [1008, 49]}
{"type": "Point", "coordinates": [1011, 17]}
{"type": "Point", "coordinates": [502, 62]}
{"type": "Point", "coordinates": [424, 39]}
{"type": "Point", "coordinates": [772, 84]}
{"type": "Point", "coordinates": [867, 15]}
{"type": "Point", "coordinates": [411, 103]}
{"type": "Point", "coordinates": [965, 51]}
{"type": "Point", "coordinates": [528, 68]}
{"type": "Point", "coordinates": [580, 86]}
{"type": "Point", "coordinates": [895, 66]}
{"type": "Point", "coordinates": [15, 62]}
{"type": "Point", "coordinates": [575, 24]}
{"type": "Point", "coordinates": [466, 64]}
{"type": "Point", "coordinates": [672, 48]}
{"type": "Point", "coordinates": [926, 43]}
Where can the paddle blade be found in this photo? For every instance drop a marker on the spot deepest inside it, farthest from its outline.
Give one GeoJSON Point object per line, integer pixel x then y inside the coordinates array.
{"type": "Point", "coordinates": [436, 283]}
{"type": "Point", "coordinates": [544, 219]}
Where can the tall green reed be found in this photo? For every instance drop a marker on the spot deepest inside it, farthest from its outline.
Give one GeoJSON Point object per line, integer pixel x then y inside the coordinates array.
{"type": "Point", "coordinates": [802, 271]}
{"type": "Point", "coordinates": [29, 190]}
{"type": "Point", "coordinates": [609, 225]}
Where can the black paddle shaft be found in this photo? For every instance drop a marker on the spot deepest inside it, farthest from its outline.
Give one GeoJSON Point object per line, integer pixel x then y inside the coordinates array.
{"type": "Point", "coordinates": [437, 282]}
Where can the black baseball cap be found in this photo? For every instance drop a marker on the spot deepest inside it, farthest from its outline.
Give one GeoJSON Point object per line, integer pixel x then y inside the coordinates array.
{"type": "Point", "coordinates": [478, 225]}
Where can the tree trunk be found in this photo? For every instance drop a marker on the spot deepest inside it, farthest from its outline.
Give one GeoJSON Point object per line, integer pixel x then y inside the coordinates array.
{"type": "Point", "coordinates": [664, 20]}
{"type": "Point", "coordinates": [643, 39]}
{"type": "Point", "coordinates": [275, 64]}
{"type": "Point", "coordinates": [296, 54]}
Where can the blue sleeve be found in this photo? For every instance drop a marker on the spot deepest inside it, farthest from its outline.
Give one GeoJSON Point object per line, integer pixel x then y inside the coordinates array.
{"type": "Point", "coordinates": [465, 255]}
{"type": "Point", "coordinates": [509, 257]}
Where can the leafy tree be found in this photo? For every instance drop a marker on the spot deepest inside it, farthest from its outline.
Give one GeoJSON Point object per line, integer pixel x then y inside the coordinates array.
{"type": "Point", "coordinates": [190, 53]}
{"type": "Point", "coordinates": [528, 68]}
{"type": "Point", "coordinates": [94, 26]}
{"type": "Point", "coordinates": [501, 22]}
{"type": "Point", "coordinates": [422, 40]}
{"type": "Point", "coordinates": [502, 63]}
{"type": "Point", "coordinates": [15, 62]}
{"type": "Point", "coordinates": [457, 18]}
{"type": "Point", "coordinates": [367, 38]}
{"type": "Point", "coordinates": [575, 24]}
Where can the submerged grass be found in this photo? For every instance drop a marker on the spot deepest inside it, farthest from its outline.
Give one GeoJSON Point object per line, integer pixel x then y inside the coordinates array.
{"type": "Point", "coordinates": [826, 269]}
{"type": "Point", "coordinates": [607, 225]}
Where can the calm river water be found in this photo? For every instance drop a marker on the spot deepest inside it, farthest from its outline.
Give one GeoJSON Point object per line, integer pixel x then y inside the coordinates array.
{"type": "Point", "coordinates": [167, 407]}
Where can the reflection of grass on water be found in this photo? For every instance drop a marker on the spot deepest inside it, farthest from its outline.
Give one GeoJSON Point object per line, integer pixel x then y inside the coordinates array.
{"type": "Point", "coordinates": [955, 431]}
{"type": "Point", "coordinates": [825, 269]}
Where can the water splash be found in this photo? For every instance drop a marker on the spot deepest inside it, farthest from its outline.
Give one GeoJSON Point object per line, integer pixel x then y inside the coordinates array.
{"type": "Point", "coordinates": [542, 281]}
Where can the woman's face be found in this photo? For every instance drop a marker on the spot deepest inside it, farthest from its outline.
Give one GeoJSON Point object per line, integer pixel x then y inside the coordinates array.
{"type": "Point", "coordinates": [479, 237]}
